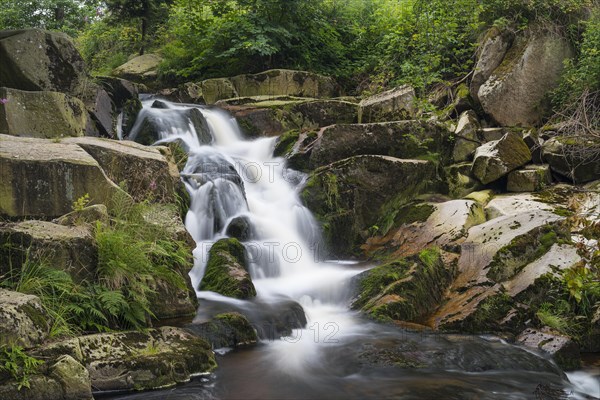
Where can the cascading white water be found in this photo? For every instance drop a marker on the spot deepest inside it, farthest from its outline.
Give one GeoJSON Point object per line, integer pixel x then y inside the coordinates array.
{"type": "Point", "coordinates": [233, 177]}
{"type": "Point", "coordinates": [229, 178]}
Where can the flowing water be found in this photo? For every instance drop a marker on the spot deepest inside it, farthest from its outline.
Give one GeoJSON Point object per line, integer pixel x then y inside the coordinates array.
{"type": "Point", "coordinates": [339, 354]}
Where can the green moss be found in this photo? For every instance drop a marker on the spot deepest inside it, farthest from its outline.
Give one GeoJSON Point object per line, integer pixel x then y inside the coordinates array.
{"type": "Point", "coordinates": [523, 250]}
{"type": "Point", "coordinates": [285, 143]}
{"type": "Point", "coordinates": [248, 128]}
{"type": "Point", "coordinates": [396, 213]}
{"type": "Point", "coordinates": [406, 289]}
{"type": "Point", "coordinates": [378, 279]}
{"type": "Point", "coordinates": [226, 259]}
{"type": "Point", "coordinates": [489, 312]}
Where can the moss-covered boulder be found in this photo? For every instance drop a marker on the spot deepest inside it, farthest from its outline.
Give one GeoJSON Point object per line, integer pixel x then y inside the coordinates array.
{"type": "Point", "coordinates": [495, 159]}
{"type": "Point", "coordinates": [73, 377]}
{"type": "Point", "coordinates": [152, 359]}
{"type": "Point", "coordinates": [23, 319]}
{"type": "Point", "coordinates": [285, 82]}
{"type": "Point", "coordinates": [227, 270]}
{"type": "Point", "coordinates": [217, 89]}
{"type": "Point", "coordinates": [276, 82]}
{"type": "Point", "coordinates": [68, 248]}
{"type": "Point", "coordinates": [403, 139]}
{"type": "Point", "coordinates": [145, 171]}
{"type": "Point", "coordinates": [406, 289]}
{"type": "Point", "coordinates": [229, 329]}
{"type": "Point", "coordinates": [501, 261]}
{"type": "Point", "coordinates": [532, 178]}
{"type": "Point", "coordinates": [573, 158]}
{"type": "Point", "coordinates": [140, 69]}
{"type": "Point", "coordinates": [350, 196]}
{"type": "Point", "coordinates": [490, 54]}
{"type": "Point", "coordinates": [393, 105]}
{"type": "Point", "coordinates": [516, 91]}
{"type": "Point", "coordinates": [43, 178]}
{"type": "Point", "coordinates": [38, 60]}
{"type": "Point", "coordinates": [42, 114]}
{"type": "Point", "coordinates": [419, 225]}
{"type": "Point", "coordinates": [274, 115]}
{"type": "Point", "coordinates": [460, 180]}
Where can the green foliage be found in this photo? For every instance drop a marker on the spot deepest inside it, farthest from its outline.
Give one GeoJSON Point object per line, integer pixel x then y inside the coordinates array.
{"type": "Point", "coordinates": [427, 42]}
{"type": "Point", "coordinates": [106, 45]}
{"type": "Point", "coordinates": [147, 14]}
{"type": "Point", "coordinates": [557, 316]}
{"type": "Point", "coordinates": [583, 286]}
{"type": "Point", "coordinates": [81, 202]}
{"type": "Point", "coordinates": [578, 91]}
{"type": "Point", "coordinates": [134, 258]}
{"type": "Point", "coordinates": [221, 38]}
{"type": "Point", "coordinates": [18, 364]}
{"type": "Point", "coordinates": [69, 16]}
{"type": "Point", "coordinates": [521, 13]}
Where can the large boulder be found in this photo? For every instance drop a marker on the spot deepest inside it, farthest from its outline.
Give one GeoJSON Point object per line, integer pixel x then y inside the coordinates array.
{"type": "Point", "coordinates": [573, 158]}
{"type": "Point", "coordinates": [152, 359]}
{"type": "Point", "coordinates": [392, 105]}
{"type": "Point", "coordinates": [272, 116]}
{"type": "Point", "coordinates": [561, 348]}
{"type": "Point", "coordinates": [68, 248]}
{"type": "Point", "coordinates": [276, 82]}
{"type": "Point", "coordinates": [41, 114]}
{"type": "Point", "coordinates": [501, 262]}
{"type": "Point", "coordinates": [285, 82]}
{"type": "Point", "coordinates": [353, 195]}
{"type": "Point", "coordinates": [140, 69]}
{"type": "Point", "coordinates": [402, 139]}
{"type": "Point", "coordinates": [515, 93]}
{"type": "Point", "coordinates": [217, 89]}
{"type": "Point", "coordinates": [405, 289]}
{"type": "Point", "coordinates": [419, 225]}
{"type": "Point", "coordinates": [124, 97]}
{"type": "Point", "coordinates": [73, 377]}
{"type": "Point", "coordinates": [230, 329]}
{"type": "Point", "coordinates": [227, 270]}
{"type": "Point", "coordinates": [23, 319]}
{"type": "Point", "coordinates": [145, 171]}
{"type": "Point", "coordinates": [42, 178]}
{"type": "Point", "coordinates": [37, 60]}
{"type": "Point", "coordinates": [532, 178]}
{"type": "Point", "coordinates": [495, 159]}
{"type": "Point", "coordinates": [489, 57]}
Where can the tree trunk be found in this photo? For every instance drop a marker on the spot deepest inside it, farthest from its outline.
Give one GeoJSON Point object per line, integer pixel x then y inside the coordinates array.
{"type": "Point", "coordinates": [144, 29]}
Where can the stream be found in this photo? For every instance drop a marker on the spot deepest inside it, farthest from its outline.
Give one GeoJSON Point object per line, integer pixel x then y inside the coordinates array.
{"type": "Point", "coordinates": [339, 355]}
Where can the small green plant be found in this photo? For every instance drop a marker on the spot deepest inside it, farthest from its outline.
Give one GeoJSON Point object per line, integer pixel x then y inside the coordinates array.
{"type": "Point", "coordinates": [584, 287]}
{"type": "Point", "coordinates": [18, 364]}
{"type": "Point", "coordinates": [556, 316]}
{"type": "Point", "coordinates": [81, 202]}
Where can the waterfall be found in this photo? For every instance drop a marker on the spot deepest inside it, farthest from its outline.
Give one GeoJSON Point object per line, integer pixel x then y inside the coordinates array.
{"type": "Point", "coordinates": [338, 354]}
{"type": "Point", "coordinates": [229, 177]}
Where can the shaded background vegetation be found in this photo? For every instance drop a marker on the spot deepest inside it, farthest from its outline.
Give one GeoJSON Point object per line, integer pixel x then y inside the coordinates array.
{"type": "Point", "coordinates": [368, 45]}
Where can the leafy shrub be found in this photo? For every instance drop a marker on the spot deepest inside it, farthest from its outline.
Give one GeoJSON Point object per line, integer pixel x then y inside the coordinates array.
{"type": "Point", "coordinates": [104, 46]}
